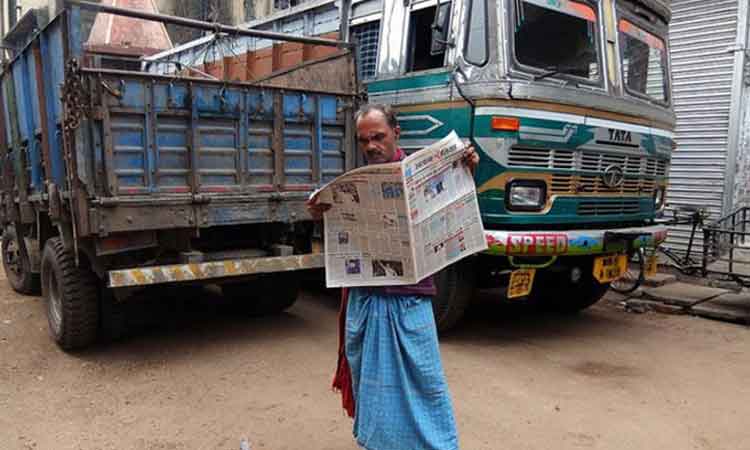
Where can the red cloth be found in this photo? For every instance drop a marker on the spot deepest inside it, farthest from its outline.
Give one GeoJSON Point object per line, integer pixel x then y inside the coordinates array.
{"type": "Point", "coordinates": [342, 380]}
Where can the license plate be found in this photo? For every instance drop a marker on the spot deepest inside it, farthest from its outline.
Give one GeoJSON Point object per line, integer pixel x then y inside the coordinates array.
{"type": "Point", "coordinates": [652, 266]}
{"type": "Point", "coordinates": [521, 281]}
{"type": "Point", "coordinates": [609, 268]}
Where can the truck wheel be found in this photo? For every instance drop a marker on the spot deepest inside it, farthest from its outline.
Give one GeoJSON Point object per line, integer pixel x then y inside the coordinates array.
{"type": "Point", "coordinates": [455, 287]}
{"type": "Point", "coordinates": [72, 297]}
{"type": "Point", "coordinates": [17, 266]}
{"type": "Point", "coordinates": [268, 294]}
{"type": "Point", "coordinates": [565, 292]}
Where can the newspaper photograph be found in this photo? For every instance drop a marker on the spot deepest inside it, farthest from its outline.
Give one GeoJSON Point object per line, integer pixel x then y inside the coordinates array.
{"type": "Point", "coordinates": [398, 223]}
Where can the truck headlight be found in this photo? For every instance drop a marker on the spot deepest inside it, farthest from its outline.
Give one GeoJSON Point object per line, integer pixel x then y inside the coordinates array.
{"type": "Point", "coordinates": [526, 195]}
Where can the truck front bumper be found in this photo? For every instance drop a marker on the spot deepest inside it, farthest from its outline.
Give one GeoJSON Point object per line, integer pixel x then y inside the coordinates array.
{"type": "Point", "coordinates": [572, 242]}
{"type": "Point", "coordinates": [175, 273]}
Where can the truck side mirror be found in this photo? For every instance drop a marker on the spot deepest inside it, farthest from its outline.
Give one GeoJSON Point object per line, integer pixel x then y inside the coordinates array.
{"type": "Point", "coordinates": [440, 29]}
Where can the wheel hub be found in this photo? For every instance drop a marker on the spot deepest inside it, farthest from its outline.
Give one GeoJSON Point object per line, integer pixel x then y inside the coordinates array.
{"type": "Point", "coordinates": [55, 302]}
{"type": "Point", "coordinates": [576, 274]}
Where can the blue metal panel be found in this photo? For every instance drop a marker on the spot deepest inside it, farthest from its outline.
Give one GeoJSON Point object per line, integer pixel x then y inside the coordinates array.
{"type": "Point", "coordinates": [218, 154]}
{"type": "Point", "coordinates": [299, 107]}
{"type": "Point", "coordinates": [260, 104]}
{"type": "Point", "coordinates": [173, 170]}
{"type": "Point", "coordinates": [30, 100]}
{"type": "Point", "coordinates": [26, 145]}
{"type": "Point", "coordinates": [53, 56]}
{"type": "Point", "coordinates": [75, 41]}
{"type": "Point", "coordinates": [133, 94]}
{"type": "Point", "coordinates": [260, 156]}
{"type": "Point", "coordinates": [24, 115]}
{"type": "Point", "coordinates": [9, 94]}
{"type": "Point", "coordinates": [225, 142]}
{"type": "Point", "coordinates": [298, 154]}
{"type": "Point", "coordinates": [299, 124]}
{"type": "Point", "coordinates": [332, 140]}
{"type": "Point", "coordinates": [260, 159]}
{"type": "Point", "coordinates": [151, 152]}
{"type": "Point", "coordinates": [218, 100]}
{"type": "Point", "coordinates": [51, 50]}
{"type": "Point", "coordinates": [170, 96]}
{"type": "Point", "coordinates": [128, 137]}
{"type": "Point", "coordinates": [243, 140]}
{"type": "Point", "coordinates": [33, 89]}
{"type": "Point", "coordinates": [328, 107]}
{"type": "Point", "coordinates": [320, 104]}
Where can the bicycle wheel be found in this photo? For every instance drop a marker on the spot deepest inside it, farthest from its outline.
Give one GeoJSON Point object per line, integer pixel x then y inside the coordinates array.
{"type": "Point", "coordinates": [633, 277]}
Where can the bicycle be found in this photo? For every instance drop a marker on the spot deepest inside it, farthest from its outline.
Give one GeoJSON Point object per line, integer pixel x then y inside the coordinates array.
{"type": "Point", "coordinates": [638, 257]}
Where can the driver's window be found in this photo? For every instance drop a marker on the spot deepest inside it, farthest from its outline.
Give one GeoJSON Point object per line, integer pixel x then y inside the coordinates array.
{"type": "Point", "coordinates": [557, 36]}
{"type": "Point", "coordinates": [428, 31]}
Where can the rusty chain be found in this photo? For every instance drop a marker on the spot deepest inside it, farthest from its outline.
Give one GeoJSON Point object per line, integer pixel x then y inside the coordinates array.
{"type": "Point", "coordinates": [75, 97]}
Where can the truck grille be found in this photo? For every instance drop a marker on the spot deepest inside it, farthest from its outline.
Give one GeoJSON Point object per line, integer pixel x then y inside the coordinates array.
{"type": "Point", "coordinates": [542, 158]}
{"type": "Point", "coordinates": [585, 160]}
{"type": "Point", "coordinates": [640, 171]}
{"type": "Point", "coordinates": [609, 207]}
{"type": "Point", "coordinates": [569, 184]}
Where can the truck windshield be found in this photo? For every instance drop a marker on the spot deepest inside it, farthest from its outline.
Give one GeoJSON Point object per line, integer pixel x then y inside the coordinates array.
{"type": "Point", "coordinates": [557, 37]}
{"type": "Point", "coordinates": [644, 62]}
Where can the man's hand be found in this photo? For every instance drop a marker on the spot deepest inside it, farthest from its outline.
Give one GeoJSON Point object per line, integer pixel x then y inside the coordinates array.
{"type": "Point", "coordinates": [471, 158]}
{"type": "Point", "coordinates": [316, 209]}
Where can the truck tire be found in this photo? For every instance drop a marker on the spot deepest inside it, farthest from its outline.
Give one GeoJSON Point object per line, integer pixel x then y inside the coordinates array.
{"type": "Point", "coordinates": [266, 295]}
{"type": "Point", "coordinates": [557, 292]}
{"type": "Point", "coordinates": [455, 287]}
{"type": "Point", "coordinates": [17, 266]}
{"type": "Point", "coordinates": [72, 297]}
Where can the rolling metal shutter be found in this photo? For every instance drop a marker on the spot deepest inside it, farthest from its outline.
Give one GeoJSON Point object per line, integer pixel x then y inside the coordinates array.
{"type": "Point", "coordinates": [701, 35]}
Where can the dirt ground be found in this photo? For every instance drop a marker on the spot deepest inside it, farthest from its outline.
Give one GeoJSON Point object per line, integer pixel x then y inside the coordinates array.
{"type": "Point", "coordinates": [197, 376]}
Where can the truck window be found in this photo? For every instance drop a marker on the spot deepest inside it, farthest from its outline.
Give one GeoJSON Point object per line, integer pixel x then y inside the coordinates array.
{"type": "Point", "coordinates": [558, 37]}
{"type": "Point", "coordinates": [366, 36]}
{"type": "Point", "coordinates": [418, 55]}
{"type": "Point", "coordinates": [644, 62]}
{"type": "Point", "coordinates": [475, 50]}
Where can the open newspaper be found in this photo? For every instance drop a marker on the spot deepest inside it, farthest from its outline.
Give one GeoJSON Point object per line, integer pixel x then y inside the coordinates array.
{"type": "Point", "coordinates": [398, 223]}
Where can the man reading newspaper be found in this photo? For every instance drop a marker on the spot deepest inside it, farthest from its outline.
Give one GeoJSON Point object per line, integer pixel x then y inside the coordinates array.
{"type": "Point", "coordinates": [389, 359]}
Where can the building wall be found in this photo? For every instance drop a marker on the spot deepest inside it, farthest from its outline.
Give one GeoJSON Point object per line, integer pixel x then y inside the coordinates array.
{"type": "Point", "coordinates": [22, 6]}
{"type": "Point", "coordinates": [231, 12]}
{"type": "Point", "coordinates": [742, 178]}
{"type": "Point", "coordinates": [702, 72]}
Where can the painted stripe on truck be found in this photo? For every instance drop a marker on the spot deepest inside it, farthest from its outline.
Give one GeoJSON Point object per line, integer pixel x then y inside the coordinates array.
{"type": "Point", "coordinates": [145, 276]}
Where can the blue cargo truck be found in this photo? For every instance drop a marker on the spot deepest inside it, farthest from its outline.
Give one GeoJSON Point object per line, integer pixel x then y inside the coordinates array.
{"type": "Point", "coordinates": [115, 179]}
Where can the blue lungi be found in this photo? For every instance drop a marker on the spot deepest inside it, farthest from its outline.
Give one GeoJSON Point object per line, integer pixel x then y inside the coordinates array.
{"type": "Point", "coordinates": [402, 399]}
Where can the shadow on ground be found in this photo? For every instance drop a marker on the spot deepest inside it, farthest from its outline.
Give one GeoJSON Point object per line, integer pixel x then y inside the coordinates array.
{"type": "Point", "coordinates": [169, 320]}
{"type": "Point", "coordinates": [491, 317]}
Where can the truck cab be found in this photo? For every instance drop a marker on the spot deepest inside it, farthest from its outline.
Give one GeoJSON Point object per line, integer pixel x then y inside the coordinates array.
{"type": "Point", "coordinates": [568, 103]}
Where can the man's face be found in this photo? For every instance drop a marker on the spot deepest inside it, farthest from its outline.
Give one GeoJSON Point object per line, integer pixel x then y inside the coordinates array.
{"type": "Point", "coordinates": [376, 139]}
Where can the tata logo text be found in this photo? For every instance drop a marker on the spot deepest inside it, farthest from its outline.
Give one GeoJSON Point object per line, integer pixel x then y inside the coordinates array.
{"type": "Point", "coordinates": [622, 136]}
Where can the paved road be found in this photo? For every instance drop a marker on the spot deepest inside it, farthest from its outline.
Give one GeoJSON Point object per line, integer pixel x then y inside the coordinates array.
{"type": "Point", "coordinates": [202, 378]}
